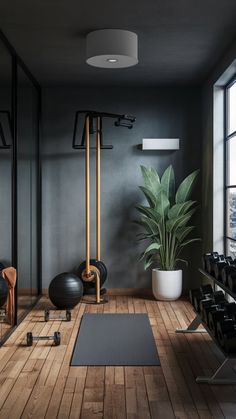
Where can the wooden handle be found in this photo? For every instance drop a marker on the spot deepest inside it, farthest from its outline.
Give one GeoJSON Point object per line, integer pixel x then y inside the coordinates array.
{"type": "Point", "coordinates": [87, 200]}
{"type": "Point", "coordinates": [98, 190]}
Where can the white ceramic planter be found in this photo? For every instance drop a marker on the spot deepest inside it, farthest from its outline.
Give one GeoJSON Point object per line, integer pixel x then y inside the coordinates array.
{"type": "Point", "coordinates": [166, 285]}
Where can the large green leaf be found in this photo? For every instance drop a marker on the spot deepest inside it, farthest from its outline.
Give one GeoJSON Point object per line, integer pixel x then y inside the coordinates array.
{"type": "Point", "coordinates": [149, 196]}
{"type": "Point", "coordinates": [148, 262]}
{"type": "Point", "coordinates": [150, 225]}
{"type": "Point", "coordinates": [168, 183]}
{"type": "Point", "coordinates": [185, 188]}
{"type": "Point", "coordinates": [175, 223]}
{"type": "Point", "coordinates": [149, 212]}
{"type": "Point", "coordinates": [180, 209]}
{"type": "Point", "coordinates": [183, 232]}
{"type": "Point", "coordinates": [152, 246]}
{"type": "Point", "coordinates": [162, 204]}
{"type": "Point", "coordinates": [197, 239]}
{"type": "Point", "coordinates": [151, 179]}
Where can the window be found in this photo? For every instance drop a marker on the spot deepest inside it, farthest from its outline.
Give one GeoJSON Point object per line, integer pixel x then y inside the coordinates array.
{"type": "Point", "coordinates": [230, 168]}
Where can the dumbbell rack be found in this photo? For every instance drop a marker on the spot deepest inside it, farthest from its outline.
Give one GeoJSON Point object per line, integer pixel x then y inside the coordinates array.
{"type": "Point", "coordinates": [226, 373]}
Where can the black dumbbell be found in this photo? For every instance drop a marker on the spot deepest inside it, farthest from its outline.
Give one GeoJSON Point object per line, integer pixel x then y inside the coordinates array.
{"type": "Point", "coordinates": [205, 258]}
{"type": "Point", "coordinates": [231, 310]}
{"type": "Point", "coordinates": [219, 266]}
{"type": "Point", "coordinates": [214, 317]}
{"type": "Point", "coordinates": [218, 297]}
{"type": "Point", "coordinates": [223, 327]}
{"type": "Point", "coordinates": [204, 291]}
{"type": "Point", "coordinates": [66, 316]}
{"type": "Point", "coordinates": [211, 261]}
{"type": "Point", "coordinates": [56, 338]}
{"type": "Point", "coordinates": [206, 302]}
{"type": "Point", "coordinates": [226, 271]}
{"type": "Point", "coordinates": [232, 281]}
{"type": "Point", "coordinates": [230, 342]}
{"type": "Point", "coordinates": [206, 310]}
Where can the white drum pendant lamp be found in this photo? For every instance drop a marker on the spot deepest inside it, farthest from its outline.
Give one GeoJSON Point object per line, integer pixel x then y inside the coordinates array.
{"type": "Point", "coordinates": [112, 48]}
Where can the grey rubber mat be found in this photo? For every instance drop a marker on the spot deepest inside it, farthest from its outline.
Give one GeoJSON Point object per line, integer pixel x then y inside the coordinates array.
{"type": "Point", "coordinates": [115, 339]}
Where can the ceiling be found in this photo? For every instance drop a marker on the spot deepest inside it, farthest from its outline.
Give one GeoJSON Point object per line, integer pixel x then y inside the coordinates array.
{"type": "Point", "coordinates": [179, 40]}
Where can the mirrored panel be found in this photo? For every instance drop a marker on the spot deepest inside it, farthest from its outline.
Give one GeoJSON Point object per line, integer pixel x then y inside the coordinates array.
{"type": "Point", "coordinates": [7, 281]}
{"type": "Point", "coordinates": [27, 159]}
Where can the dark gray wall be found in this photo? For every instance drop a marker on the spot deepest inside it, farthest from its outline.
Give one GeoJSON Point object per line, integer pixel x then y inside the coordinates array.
{"type": "Point", "coordinates": [160, 112]}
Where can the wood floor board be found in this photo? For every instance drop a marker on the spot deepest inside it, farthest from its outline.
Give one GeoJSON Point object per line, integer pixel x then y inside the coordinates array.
{"type": "Point", "coordinates": [38, 381]}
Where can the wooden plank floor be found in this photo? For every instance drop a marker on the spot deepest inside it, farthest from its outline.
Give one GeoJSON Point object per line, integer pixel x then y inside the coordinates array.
{"type": "Point", "coordinates": [37, 382]}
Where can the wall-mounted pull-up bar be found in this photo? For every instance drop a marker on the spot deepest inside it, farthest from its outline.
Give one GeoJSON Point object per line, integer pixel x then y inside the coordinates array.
{"type": "Point", "coordinates": [120, 121]}
{"type": "Point", "coordinates": [94, 270]}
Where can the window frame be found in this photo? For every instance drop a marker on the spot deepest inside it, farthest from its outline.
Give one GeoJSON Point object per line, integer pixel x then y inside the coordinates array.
{"type": "Point", "coordinates": [227, 137]}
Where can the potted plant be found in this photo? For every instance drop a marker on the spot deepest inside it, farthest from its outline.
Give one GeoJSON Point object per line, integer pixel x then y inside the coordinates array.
{"type": "Point", "coordinates": [166, 223]}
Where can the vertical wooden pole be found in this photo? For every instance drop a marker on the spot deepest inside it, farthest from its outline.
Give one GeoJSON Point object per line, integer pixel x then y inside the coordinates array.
{"type": "Point", "coordinates": [87, 200]}
{"type": "Point", "coordinates": [98, 298]}
{"type": "Point", "coordinates": [98, 190]}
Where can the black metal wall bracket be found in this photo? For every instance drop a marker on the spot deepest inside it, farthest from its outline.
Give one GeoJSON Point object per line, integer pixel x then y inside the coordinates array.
{"type": "Point", "coordinates": [4, 144]}
{"type": "Point", "coordinates": [120, 121]}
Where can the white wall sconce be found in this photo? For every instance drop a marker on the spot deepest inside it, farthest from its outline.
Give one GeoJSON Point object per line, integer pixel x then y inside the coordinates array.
{"type": "Point", "coordinates": [160, 144]}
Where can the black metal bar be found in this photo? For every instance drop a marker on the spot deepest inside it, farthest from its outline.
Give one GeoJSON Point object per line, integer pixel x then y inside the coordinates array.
{"type": "Point", "coordinates": [228, 137]}
{"type": "Point", "coordinates": [225, 171]}
{"type": "Point", "coordinates": [14, 178]}
{"type": "Point", "coordinates": [121, 120]}
{"type": "Point", "coordinates": [17, 61]}
{"type": "Point", "coordinates": [230, 238]}
{"type": "Point", "coordinates": [103, 147]}
{"type": "Point", "coordinates": [2, 135]}
{"type": "Point", "coordinates": [39, 195]}
{"type": "Point", "coordinates": [13, 52]}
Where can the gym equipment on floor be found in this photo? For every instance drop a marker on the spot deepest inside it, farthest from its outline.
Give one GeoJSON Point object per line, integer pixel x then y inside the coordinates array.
{"type": "Point", "coordinates": [52, 316]}
{"type": "Point", "coordinates": [3, 291]}
{"type": "Point", "coordinates": [222, 328]}
{"type": "Point", "coordinates": [93, 272]}
{"type": "Point", "coordinates": [65, 290]}
{"type": "Point", "coordinates": [56, 337]}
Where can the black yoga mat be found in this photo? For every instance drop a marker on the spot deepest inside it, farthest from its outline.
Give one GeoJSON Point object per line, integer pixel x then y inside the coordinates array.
{"type": "Point", "coordinates": [115, 339]}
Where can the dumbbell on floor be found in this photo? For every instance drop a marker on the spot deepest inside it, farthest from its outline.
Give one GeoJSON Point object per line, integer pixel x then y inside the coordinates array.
{"type": "Point", "coordinates": [64, 316]}
{"type": "Point", "coordinates": [56, 338]}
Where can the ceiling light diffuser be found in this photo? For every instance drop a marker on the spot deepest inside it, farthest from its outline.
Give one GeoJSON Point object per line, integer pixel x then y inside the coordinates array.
{"type": "Point", "coordinates": [112, 48]}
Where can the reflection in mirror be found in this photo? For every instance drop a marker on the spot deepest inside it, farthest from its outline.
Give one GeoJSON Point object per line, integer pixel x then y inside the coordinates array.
{"type": "Point", "coordinates": [27, 192]}
{"type": "Point", "coordinates": [6, 279]}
